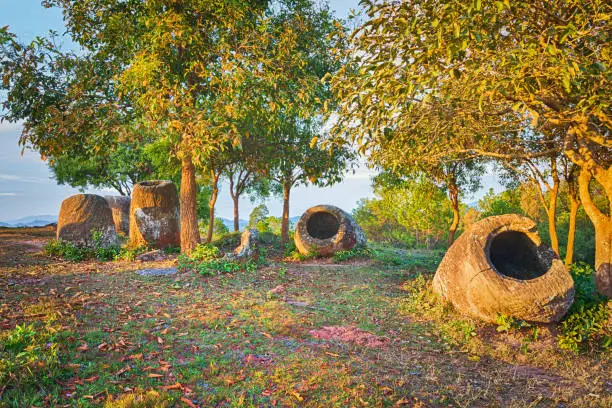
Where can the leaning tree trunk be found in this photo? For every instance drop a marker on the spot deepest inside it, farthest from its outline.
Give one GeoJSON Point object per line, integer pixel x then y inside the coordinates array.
{"type": "Point", "coordinates": [211, 206]}
{"type": "Point", "coordinates": [571, 234]}
{"type": "Point", "coordinates": [552, 217]}
{"type": "Point", "coordinates": [453, 192]}
{"type": "Point", "coordinates": [285, 221]}
{"type": "Point", "coordinates": [190, 235]}
{"type": "Point", "coordinates": [603, 228]}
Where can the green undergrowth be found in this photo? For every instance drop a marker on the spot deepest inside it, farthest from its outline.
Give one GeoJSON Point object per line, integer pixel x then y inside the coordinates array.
{"type": "Point", "coordinates": [355, 253]}
{"type": "Point", "coordinates": [587, 325]}
{"type": "Point", "coordinates": [70, 252]}
{"type": "Point", "coordinates": [207, 260]}
{"type": "Point", "coordinates": [30, 359]}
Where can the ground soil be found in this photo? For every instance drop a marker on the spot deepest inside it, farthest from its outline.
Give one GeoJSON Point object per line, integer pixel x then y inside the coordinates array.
{"type": "Point", "coordinates": [289, 334]}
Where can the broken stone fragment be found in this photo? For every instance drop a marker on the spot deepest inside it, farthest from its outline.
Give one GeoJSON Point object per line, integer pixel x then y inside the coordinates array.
{"type": "Point", "coordinates": [86, 220]}
{"type": "Point", "coordinates": [500, 266]}
{"type": "Point", "coordinates": [248, 246]}
{"type": "Point", "coordinates": [326, 229]}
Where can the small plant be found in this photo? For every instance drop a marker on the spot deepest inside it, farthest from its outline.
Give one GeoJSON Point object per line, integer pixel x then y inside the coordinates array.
{"type": "Point", "coordinates": [282, 271]}
{"type": "Point", "coordinates": [73, 253]}
{"type": "Point", "coordinates": [509, 323]}
{"type": "Point", "coordinates": [359, 253]}
{"type": "Point", "coordinates": [28, 354]}
{"type": "Point", "coordinates": [205, 252]}
{"type": "Point", "coordinates": [298, 256]}
{"type": "Point", "coordinates": [172, 250]}
{"type": "Point", "coordinates": [129, 254]}
{"type": "Point", "coordinates": [587, 322]}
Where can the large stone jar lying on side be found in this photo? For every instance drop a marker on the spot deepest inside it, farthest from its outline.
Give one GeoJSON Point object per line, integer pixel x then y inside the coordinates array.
{"type": "Point", "coordinates": [500, 266]}
{"type": "Point", "coordinates": [154, 215]}
{"type": "Point", "coordinates": [86, 220]}
{"type": "Point", "coordinates": [326, 229]}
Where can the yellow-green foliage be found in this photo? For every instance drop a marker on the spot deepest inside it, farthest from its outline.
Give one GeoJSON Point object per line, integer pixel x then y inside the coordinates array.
{"type": "Point", "coordinates": [148, 399]}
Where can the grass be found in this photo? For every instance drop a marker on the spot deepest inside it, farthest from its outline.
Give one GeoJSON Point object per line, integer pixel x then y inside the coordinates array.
{"type": "Point", "coordinates": [97, 334]}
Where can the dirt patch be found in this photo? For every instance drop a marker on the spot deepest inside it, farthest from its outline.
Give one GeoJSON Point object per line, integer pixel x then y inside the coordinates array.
{"type": "Point", "coordinates": [350, 334]}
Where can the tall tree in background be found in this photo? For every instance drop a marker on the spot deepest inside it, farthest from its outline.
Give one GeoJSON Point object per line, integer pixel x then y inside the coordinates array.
{"type": "Point", "coordinates": [301, 51]}
{"type": "Point", "coordinates": [542, 61]}
{"type": "Point", "coordinates": [120, 168]}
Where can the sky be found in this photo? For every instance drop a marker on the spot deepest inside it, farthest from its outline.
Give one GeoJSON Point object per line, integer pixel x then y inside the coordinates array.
{"type": "Point", "coordinates": [27, 187]}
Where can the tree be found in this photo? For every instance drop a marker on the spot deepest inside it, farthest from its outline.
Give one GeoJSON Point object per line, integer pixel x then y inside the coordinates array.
{"type": "Point", "coordinates": [258, 215]}
{"type": "Point", "coordinates": [546, 63]}
{"type": "Point", "coordinates": [295, 102]}
{"type": "Point", "coordinates": [173, 68]}
{"type": "Point", "coordinates": [412, 211]}
{"type": "Point", "coordinates": [120, 168]}
{"type": "Point", "coordinates": [244, 174]}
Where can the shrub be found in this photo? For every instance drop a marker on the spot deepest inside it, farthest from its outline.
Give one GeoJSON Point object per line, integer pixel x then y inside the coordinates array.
{"type": "Point", "coordinates": [204, 260]}
{"type": "Point", "coordinates": [509, 323]}
{"type": "Point", "coordinates": [359, 253]}
{"type": "Point", "coordinates": [73, 253]}
{"type": "Point", "coordinates": [66, 250]}
{"type": "Point", "coordinates": [587, 323]}
{"type": "Point", "coordinates": [205, 252]}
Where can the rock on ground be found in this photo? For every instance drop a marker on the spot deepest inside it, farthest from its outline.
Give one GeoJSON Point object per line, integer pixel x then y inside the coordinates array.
{"type": "Point", "coordinates": [248, 245]}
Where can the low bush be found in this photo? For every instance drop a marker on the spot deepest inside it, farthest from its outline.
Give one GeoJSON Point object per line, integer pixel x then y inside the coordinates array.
{"type": "Point", "coordinates": [355, 253]}
{"type": "Point", "coordinates": [587, 324]}
{"type": "Point", "coordinates": [205, 260]}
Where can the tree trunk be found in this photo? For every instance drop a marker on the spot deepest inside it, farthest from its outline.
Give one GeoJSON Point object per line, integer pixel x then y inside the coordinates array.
{"type": "Point", "coordinates": [285, 221]}
{"type": "Point", "coordinates": [571, 234]}
{"type": "Point", "coordinates": [211, 205]}
{"type": "Point", "coordinates": [552, 216]}
{"type": "Point", "coordinates": [236, 214]}
{"type": "Point", "coordinates": [603, 227]}
{"type": "Point", "coordinates": [190, 235]}
{"type": "Point", "coordinates": [453, 192]}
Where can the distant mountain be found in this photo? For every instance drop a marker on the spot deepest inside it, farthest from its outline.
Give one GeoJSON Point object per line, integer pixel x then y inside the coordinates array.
{"type": "Point", "coordinates": [31, 221]}
{"type": "Point", "coordinates": [230, 223]}
{"type": "Point", "coordinates": [243, 223]}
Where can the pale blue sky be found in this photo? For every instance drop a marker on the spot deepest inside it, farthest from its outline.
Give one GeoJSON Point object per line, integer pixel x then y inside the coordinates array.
{"type": "Point", "coordinates": [27, 187]}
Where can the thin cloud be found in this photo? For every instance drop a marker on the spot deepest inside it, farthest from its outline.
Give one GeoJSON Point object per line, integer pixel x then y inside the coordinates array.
{"type": "Point", "coordinates": [9, 194]}
{"type": "Point", "coordinates": [21, 179]}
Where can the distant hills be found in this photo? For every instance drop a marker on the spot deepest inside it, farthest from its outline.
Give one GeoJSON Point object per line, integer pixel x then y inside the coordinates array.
{"type": "Point", "coordinates": [31, 221]}
{"type": "Point", "coordinates": [42, 220]}
{"type": "Point", "coordinates": [243, 223]}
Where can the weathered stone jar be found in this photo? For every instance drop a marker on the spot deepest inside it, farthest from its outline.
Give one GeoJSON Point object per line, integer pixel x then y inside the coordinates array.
{"type": "Point", "coordinates": [154, 215]}
{"type": "Point", "coordinates": [500, 266]}
{"type": "Point", "coordinates": [120, 207]}
{"type": "Point", "coordinates": [326, 229]}
{"type": "Point", "coordinates": [86, 220]}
